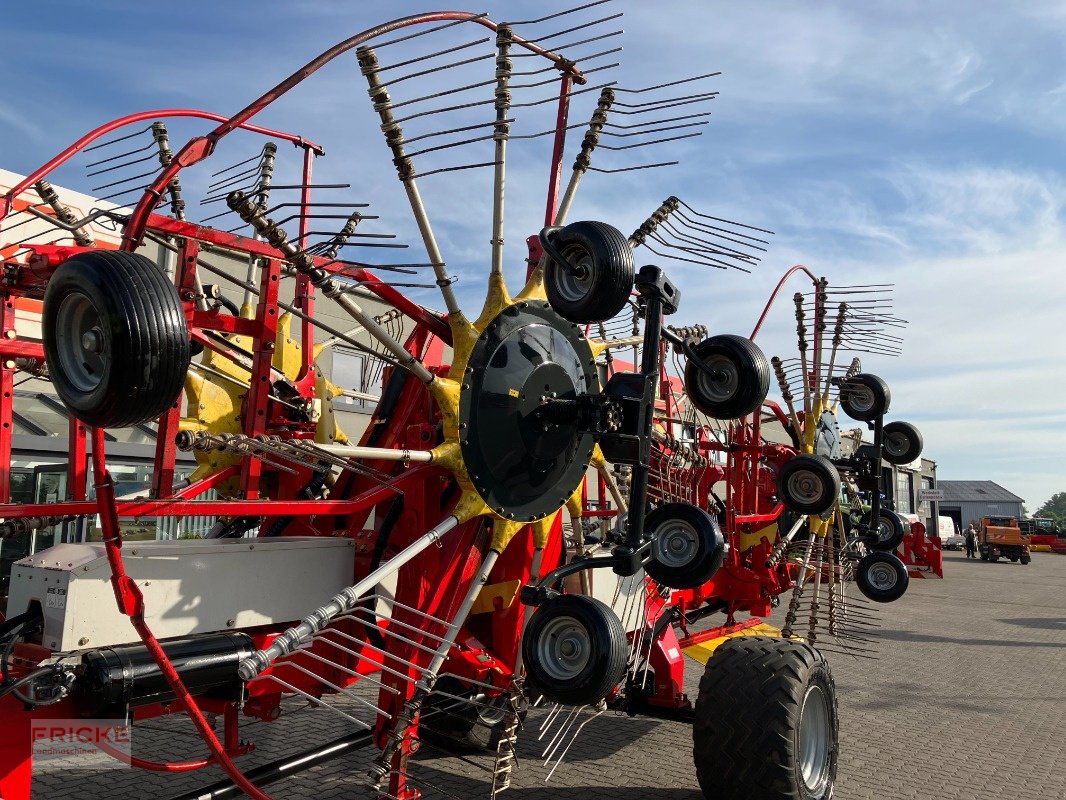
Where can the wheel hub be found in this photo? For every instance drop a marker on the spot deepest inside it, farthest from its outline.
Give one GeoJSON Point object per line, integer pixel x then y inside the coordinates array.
{"type": "Point", "coordinates": [814, 735]}
{"type": "Point", "coordinates": [524, 466]}
{"type": "Point", "coordinates": [883, 576]}
{"type": "Point", "coordinates": [677, 545]}
{"type": "Point", "coordinates": [720, 380]}
{"type": "Point", "coordinates": [803, 485]}
{"type": "Point", "coordinates": [564, 648]}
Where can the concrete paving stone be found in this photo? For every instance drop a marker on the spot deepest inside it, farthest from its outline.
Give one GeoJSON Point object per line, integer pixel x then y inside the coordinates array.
{"type": "Point", "coordinates": [967, 700]}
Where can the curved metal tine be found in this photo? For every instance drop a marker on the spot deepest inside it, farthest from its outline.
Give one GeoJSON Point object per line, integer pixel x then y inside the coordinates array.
{"type": "Point", "coordinates": [555, 78]}
{"type": "Point", "coordinates": [573, 739]}
{"type": "Point", "coordinates": [724, 249]}
{"type": "Point", "coordinates": [445, 93]}
{"type": "Point", "coordinates": [340, 689]}
{"type": "Point", "coordinates": [672, 83]}
{"type": "Point", "coordinates": [635, 145]}
{"type": "Point", "coordinates": [606, 171]}
{"type": "Point", "coordinates": [408, 268]}
{"type": "Point", "coordinates": [540, 40]}
{"type": "Point", "coordinates": [116, 140]}
{"type": "Point", "coordinates": [579, 59]}
{"type": "Point", "coordinates": [450, 145]}
{"type": "Point", "coordinates": [555, 98]}
{"type": "Point", "coordinates": [218, 198]}
{"type": "Point", "coordinates": [719, 219]}
{"type": "Point", "coordinates": [320, 637]}
{"type": "Point", "coordinates": [712, 248]}
{"type": "Point", "coordinates": [318, 203]}
{"type": "Point", "coordinates": [427, 56]}
{"type": "Point", "coordinates": [124, 180]}
{"type": "Point", "coordinates": [570, 45]}
{"type": "Point", "coordinates": [620, 108]}
{"type": "Point", "coordinates": [150, 146]}
{"type": "Point", "coordinates": [716, 230]}
{"type": "Point", "coordinates": [430, 135]}
{"type": "Point", "coordinates": [393, 601]}
{"type": "Point", "coordinates": [375, 244]}
{"type": "Point", "coordinates": [457, 168]}
{"type": "Point", "coordinates": [558, 14]}
{"type": "Point", "coordinates": [568, 722]}
{"type": "Point", "coordinates": [316, 700]}
{"type": "Point", "coordinates": [660, 101]}
{"type": "Point", "coordinates": [248, 160]}
{"type": "Point", "coordinates": [237, 178]}
{"type": "Point", "coordinates": [707, 261]}
{"type": "Point", "coordinates": [656, 130]}
{"type": "Point", "coordinates": [698, 115]}
{"type": "Point", "coordinates": [440, 68]}
{"type": "Point", "coordinates": [373, 614]}
{"type": "Point", "coordinates": [361, 677]}
{"type": "Point", "coordinates": [552, 131]}
{"type": "Point", "coordinates": [549, 719]}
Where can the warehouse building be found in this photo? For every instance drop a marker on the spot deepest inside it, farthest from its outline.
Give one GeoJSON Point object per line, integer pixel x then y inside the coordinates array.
{"type": "Point", "coordinates": [969, 501]}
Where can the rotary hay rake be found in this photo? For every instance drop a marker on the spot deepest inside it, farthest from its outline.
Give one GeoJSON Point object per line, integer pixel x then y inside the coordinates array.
{"type": "Point", "coordinates": [421, 582]}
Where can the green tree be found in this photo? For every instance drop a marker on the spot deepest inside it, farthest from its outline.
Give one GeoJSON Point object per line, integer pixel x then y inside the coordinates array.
{"type": "Point", "coordinates": [1054, 508]}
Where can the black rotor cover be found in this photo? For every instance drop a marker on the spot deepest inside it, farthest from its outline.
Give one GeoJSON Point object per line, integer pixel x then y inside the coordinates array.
{"type": "Point", "coordinates": [524, 467]}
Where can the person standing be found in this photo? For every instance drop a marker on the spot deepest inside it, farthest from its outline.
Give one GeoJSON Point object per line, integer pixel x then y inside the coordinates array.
{"type": "Point", "coordinates": [971, 541]}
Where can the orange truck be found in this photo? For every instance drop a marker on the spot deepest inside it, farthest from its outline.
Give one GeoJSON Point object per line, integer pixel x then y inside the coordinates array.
{"type": "Point", "coordinates": [1000, 537]}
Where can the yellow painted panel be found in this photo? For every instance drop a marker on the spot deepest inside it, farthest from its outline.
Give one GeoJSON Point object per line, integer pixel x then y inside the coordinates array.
{"type": "Point", "coordinates": [486, 598]}
{"type": "Point", "coordinates": [704, 650]}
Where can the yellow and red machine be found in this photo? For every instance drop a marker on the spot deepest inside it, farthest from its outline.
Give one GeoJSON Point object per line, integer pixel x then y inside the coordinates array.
{"type": "Point", "coordinates": [522, 518]}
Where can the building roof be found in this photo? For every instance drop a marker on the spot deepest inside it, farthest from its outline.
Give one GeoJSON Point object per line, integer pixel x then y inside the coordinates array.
{"type": "Point", "coordinates": [976, 492]}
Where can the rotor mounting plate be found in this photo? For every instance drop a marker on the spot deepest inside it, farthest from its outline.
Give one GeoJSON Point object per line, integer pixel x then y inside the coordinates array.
{"type": "Point", "coordinates": [523, 467]}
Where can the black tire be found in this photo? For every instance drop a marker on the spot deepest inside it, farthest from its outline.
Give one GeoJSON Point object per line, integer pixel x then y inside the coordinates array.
{"type": "Point", "coordinates": [474, 723]}
{"type": "Point", "coordinates": [687, 545]}
{"type": "Point", "coordinates": [140, 355]}
{"type": "Point", "coordinates": [889, 532]}
{"type": "Point", "coordinates": [599, 279]}
{"type": "Point", "coordinates": [748, 736]}
{"type": "Point", "coordinates": [865, 397]}
{"type": "Point", "coordinates": [901, 443]}
{"type": "Point", "coordinates": [808, 484]}
{"type": "Point", "coordinates": [741, 381]}
{"type": "Point", "coordinates": [575, 650]}
{"type": "Point", "coordinates": [882, 577]}
{"type": "Point", "coordinates": [1026, 559]}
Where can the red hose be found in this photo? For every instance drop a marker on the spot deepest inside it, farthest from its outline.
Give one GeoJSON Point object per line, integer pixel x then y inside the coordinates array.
{"type": "Point", "coordinates": [152, 766]}
{"type": "Point", "coordinates": [131, 603]}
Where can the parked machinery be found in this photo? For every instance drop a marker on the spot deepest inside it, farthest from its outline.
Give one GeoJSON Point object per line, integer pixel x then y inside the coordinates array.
{"type": "Point", "coordinates": [421, 583]}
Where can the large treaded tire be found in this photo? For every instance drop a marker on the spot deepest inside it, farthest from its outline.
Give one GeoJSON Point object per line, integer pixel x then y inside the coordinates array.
{"type": "Point", "coordinates": [125, 305]}
{"type": "Point", "coordinates": [747, 735]}
{"type": "Point", "coordinates": [743, 377]}
{"type": "Point", "coordinates": [575, 650]}
{"type": "Point", "coordinates": [603, 286]}
{"type": "Point", "coordinates": [865, 397]}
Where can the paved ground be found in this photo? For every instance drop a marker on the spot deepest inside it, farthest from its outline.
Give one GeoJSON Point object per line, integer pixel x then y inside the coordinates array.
{"type": "Point", "coordinates": [967, 700]}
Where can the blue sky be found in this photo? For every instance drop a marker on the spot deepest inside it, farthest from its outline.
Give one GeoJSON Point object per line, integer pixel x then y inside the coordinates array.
{"type": "Point", "coordinates": [914, 143]}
